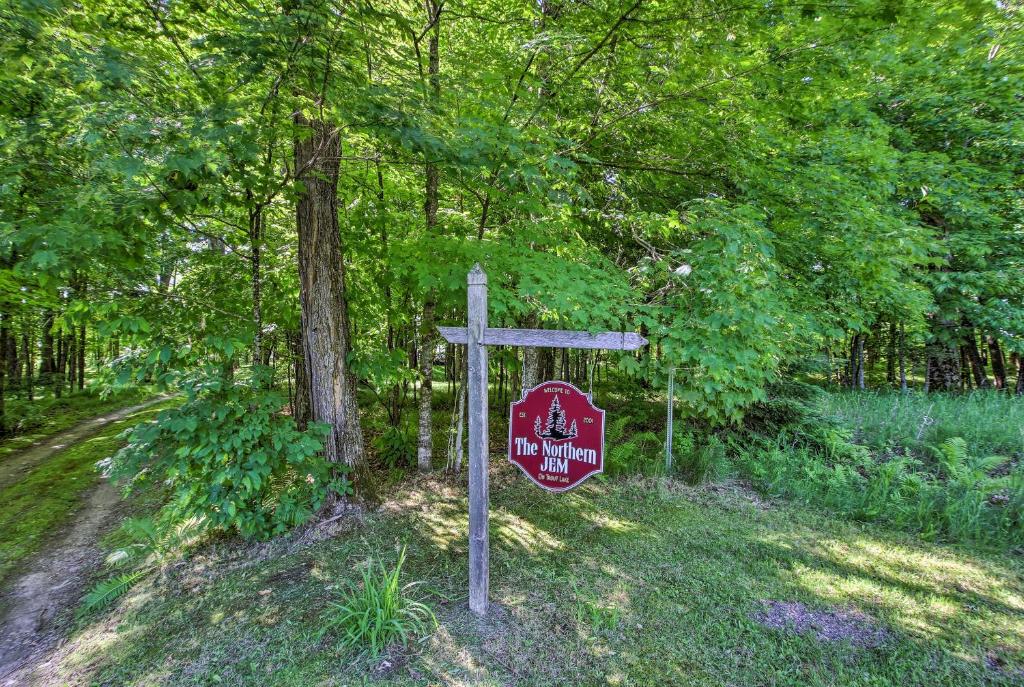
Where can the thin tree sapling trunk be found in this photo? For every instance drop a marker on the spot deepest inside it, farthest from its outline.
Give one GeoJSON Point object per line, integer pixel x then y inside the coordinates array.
{"type": "Point", "coordinates": [81, 358]}
{"type": "Point", "coordinates": [903, 358]}
{"type": "Point", "coordinates": [47, 364]}
{"type": "Point", "coordinates": [428, 336]}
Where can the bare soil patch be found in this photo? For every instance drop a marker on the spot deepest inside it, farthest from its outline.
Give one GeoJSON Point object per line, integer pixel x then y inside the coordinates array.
{"type": "Point", "coordinates": [849, 625]}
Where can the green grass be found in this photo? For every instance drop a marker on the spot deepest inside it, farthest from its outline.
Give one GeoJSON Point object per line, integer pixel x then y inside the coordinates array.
{"type": "Point", "coordinates": [32, 509]}
{"type": "Point", "coordinates": [47, 416]}
{"type": "Point", "coordinates": [621, 583]}
{"type": "Point", "coordinates": [991, 423]}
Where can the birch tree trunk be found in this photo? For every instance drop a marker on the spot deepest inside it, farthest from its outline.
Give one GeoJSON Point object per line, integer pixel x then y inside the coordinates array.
{"type": "Point", "coordinates": [428, 337]}
{"type": "Point", "coordinates": [332, 389]}
{"type": "Point", "coordinates": [903, 358]}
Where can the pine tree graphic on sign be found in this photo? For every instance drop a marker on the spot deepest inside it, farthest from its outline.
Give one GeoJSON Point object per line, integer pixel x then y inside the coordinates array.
{"type": "Point", "coordinates": [555, 427]}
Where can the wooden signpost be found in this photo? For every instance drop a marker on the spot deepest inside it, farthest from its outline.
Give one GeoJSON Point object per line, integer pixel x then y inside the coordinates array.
{"type": "Point", "coordinates": [476, 336]}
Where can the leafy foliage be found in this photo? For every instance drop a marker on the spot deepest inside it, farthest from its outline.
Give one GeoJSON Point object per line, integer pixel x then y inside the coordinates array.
{"type": "Point", "coordinates": [396, 447]}
{"type": "Point", "coordinates": [231, 459]}
{"type": "Point", "coordinates": [151, 546]}
{"type": "Point", "coordinates": [632, 449]}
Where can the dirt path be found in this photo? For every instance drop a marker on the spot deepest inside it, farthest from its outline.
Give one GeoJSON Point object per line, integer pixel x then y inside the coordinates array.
{"type": "Point", "coordinates": [14, 467]}
{"type": "Point", "coordinates": [53, 579]}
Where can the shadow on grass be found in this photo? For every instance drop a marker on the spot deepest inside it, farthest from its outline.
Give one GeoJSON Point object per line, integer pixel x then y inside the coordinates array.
{"type": "Point", "coordinates": [676, 579]}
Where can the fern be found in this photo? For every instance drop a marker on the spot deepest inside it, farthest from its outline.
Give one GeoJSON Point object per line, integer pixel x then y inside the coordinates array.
{"type": "Point", "coordinates": [109, 591]}
{"type": "Point", "coordinates": [153, 545]}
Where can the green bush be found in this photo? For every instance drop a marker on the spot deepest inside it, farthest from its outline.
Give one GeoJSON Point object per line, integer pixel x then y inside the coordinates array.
{"type": "Point", "coordinates": [232, 459]}
{"type": "Point", "coordinates": [396, 447]}
{"type": "Point", "coordinates": [992, 423]}
{"type": "Point", "coordinates": [378, 613]}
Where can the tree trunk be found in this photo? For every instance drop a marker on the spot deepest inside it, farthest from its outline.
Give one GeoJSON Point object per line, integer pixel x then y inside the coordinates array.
{"type": "Point", "coordinates": [943, 372]}
{"type": "Point", "coordinates": [61, 362]}
{"type": "Point", "coordinates": [255, 249]}
{"type": "Point", "coordinates": [974, 358]}
{"type": "Point", "coordinates": [301, 412]}
{"type": "Point", "coordinates": [47, 364]}
{"type": "Point", "coordinates": [332, 388]}
{"type": "Point", "coordinates": [11, 356]}
{"type": "Point", "coordinates": [531, 367]}
{"type": "Point", "coordinates": [860, 362]}
{"type": "Point", "coordinates": [1020, 376]}
{"type": "Point", "coordinates": [995, 354]}
{"type": "Point", "coordinates": [903, 358]}
{"type": "Point", "coordinates": [857, 361]}
{"type": "Point", "coordinates": [890, 359]}
{"type": "Point", "coordinates": [425, 355]}
{"type": "Point", "coordinates": [428, 336]}
{"type": "Point", "coordinates": [81, 358]}
{"type": "Point", "coordinates": [26, 355]}
{"type": "Point", "coordinates": [71, 353]}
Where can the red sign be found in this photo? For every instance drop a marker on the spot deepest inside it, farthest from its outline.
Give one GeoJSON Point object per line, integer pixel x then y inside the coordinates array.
{"type": "Point", "coordinates": [556, 436]}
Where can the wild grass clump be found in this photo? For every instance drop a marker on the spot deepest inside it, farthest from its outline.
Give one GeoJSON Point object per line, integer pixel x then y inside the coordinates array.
{"type": "Point", "coordinates": [379, 612]}
{"type": "Point", "coordinates": [957, 496]}
{"type": "Point", "coordinates": [992, 423]}
{"type": "Point", "coordinates": [697, 460]}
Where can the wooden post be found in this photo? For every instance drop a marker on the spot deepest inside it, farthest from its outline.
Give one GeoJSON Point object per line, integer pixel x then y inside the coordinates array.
{"type": "Point", "coordinates": [668, 428]}
{"type": "Point", "coordinates": [477, 336]}
{"type": "Point", "coordinates": [476, 351]}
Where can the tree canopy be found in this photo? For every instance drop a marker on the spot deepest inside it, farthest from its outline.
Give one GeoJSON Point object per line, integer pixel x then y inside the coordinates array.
{"type": "Point", "coordinates": [749, 185]}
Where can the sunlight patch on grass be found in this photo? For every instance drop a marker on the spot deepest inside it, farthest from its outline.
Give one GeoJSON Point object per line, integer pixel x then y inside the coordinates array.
{"type": "Point", "coordinates": [609, 523]}
{"type": "Point", "coordinates": [512, 530]}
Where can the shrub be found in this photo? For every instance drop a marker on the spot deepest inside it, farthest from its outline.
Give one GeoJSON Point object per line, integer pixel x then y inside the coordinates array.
{"type": "Point", "coordinates": [230, 458]}
{"type": "Point", "coordinates": [699, 464]}
{"type": "Point", "coordinates": [992, 423]}
{"type": "Point", "coordinates": [961, 500]}
{"type": "Point", "coordinates": [379, 613]}
{"type": "Point", "coordinates": [396, 447]}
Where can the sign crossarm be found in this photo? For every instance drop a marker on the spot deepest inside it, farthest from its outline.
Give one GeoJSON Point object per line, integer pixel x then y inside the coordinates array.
{"type": "Point", "coordinates": [549, 338]}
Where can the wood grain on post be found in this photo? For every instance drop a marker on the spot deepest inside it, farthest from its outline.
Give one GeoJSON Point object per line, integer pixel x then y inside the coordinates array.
{"type": "Point", "coordinates": [550, 338]}
{"type": "Point", "coordinates": [476, 351]}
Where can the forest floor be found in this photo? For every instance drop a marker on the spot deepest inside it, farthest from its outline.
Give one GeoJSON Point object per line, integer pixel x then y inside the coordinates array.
{"type": "Point", "coordinates": [620, 582]}
{"type": "Point", "coordinates": [53, 510]}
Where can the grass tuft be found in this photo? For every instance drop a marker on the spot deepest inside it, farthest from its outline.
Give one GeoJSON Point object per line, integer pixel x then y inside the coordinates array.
{"type": "Point", "coordinates": [379, 613]}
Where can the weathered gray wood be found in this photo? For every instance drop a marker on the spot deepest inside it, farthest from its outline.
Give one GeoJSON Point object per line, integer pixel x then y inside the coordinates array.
{"type": "Point", "coordinates": [550, 338]}
{"type": "Point", "coordinates": [668, 428]}
{"type": "Point", "coordinates": [476, 352]}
